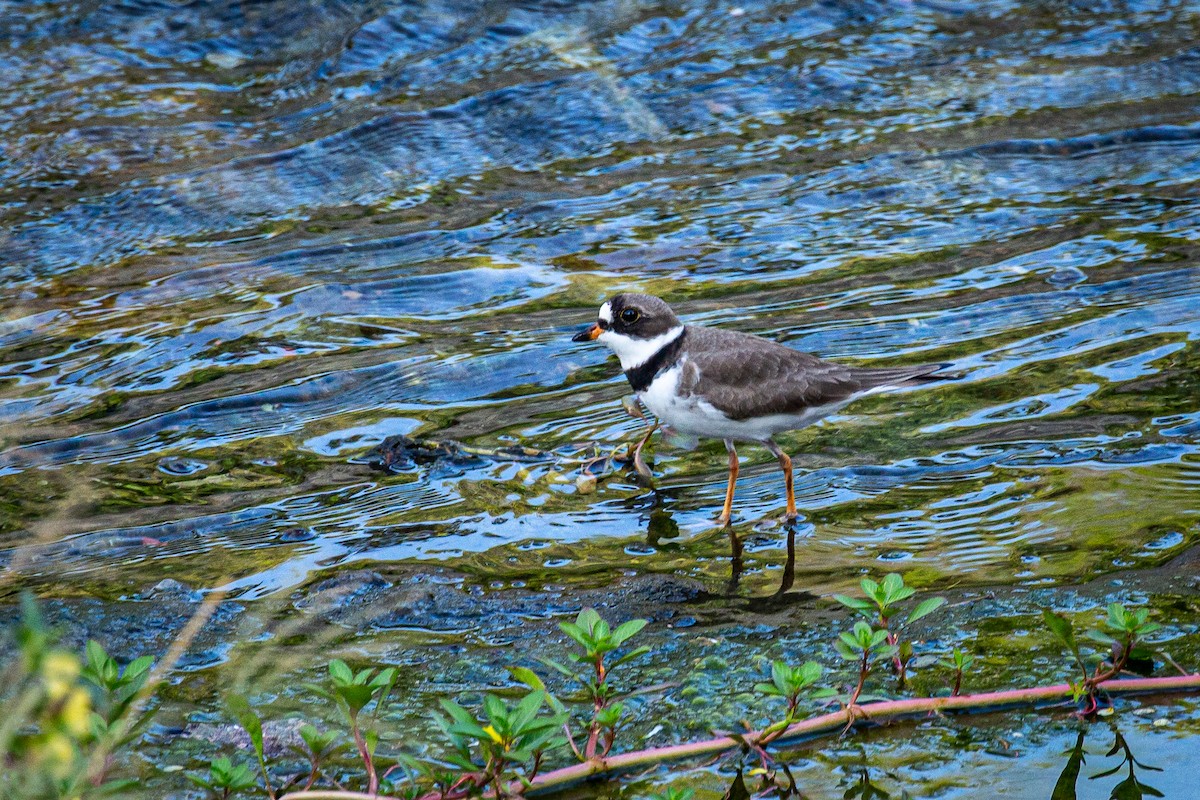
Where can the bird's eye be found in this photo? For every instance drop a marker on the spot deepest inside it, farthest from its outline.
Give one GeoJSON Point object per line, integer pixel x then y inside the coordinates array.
{"type": "Point", "coordinates": [630, 316]}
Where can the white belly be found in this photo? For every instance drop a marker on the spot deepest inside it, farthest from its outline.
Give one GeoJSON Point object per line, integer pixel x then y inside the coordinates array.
{"type": "Point", "coordinates": [692, 416]}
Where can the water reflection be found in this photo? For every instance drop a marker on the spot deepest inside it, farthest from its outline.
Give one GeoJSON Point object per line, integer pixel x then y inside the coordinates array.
{"type": "Point", "coordinates": [1131, 786]}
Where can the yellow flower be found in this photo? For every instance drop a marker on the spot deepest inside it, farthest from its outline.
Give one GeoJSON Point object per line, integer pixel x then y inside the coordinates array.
{"type": "Point", "coordinates": [59, 670]}
{"type": "Point", "coordinates": [57, 753]}
{"type": "Point", "coordinates": [490, 731]}
{"type": "Point", "coordinates": [76, 711]}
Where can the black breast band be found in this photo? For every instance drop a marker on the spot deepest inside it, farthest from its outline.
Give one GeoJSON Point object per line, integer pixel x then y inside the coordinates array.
{"type": "Point", "coordinates": [641, 376]}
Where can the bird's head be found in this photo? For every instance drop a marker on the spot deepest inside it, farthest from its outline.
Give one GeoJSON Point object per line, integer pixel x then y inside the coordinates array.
{"type": "Point", "coordinates": [634, 326]}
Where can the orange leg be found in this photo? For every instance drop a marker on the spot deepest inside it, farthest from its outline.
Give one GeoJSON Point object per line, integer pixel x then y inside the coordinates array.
{"type": "Point", "coordinates": [786, 464]}
{"type": "Point", "coordinates": [727, 512]}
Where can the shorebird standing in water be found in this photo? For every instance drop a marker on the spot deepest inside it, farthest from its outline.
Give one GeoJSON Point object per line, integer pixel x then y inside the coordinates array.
{"type": "Point", "coordinates": [719, 384]}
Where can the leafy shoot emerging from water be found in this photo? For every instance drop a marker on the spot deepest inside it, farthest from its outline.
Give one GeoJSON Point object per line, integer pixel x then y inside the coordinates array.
{"type": "Point", "coordinates": [318, 747]}
{"type": "Point", "coordinates": [353, 692]}
{"type": "Point", "coordinates": [960, 661]}
{"type": "Point", "coordinates": [224, 778]}
{"type": "Point", "coordinates": [881, 605]}
{"type": "Point", "coordinates": [1124, 633]}
{"type": "Point", "coordinates": [866, 646]}
{"type": "Point", "coordinates": [597, 640]}
{"type": "Point", "coordinates": [790, 683]}
{"type": "Point", "coordinates": [502, 738]}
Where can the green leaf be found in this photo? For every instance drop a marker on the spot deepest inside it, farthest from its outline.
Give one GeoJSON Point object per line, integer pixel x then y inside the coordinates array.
{"type": "Point", "coordinates": [1117, 617]}
{"type": "Point", "coordinates": [557, 667]}
{"type": "Point", "coordinates": [355, 695]}
{"type": "Point", "coordinates": [1100, 636]}
{"type": "Point", "coordinates": [96, 657]}
{"type": "Point", "coordinates": [926, 607]}
{"type": "Point", "coordinates": [526, 710]}
{"type": "Point", "coordinates": [340, 672]}
{"type": "Point", "coordinates": [892, 583]}
{"type": "Point", "coordinates": [385, 678]}
{"type": "Point", "coordinates": [781, 676]}
{"type": "Point", "coordinates": [239, 707]}
{"type": "Point", "coordinates": [316, 741]}
{"type": "Point", "coordinates": [627, 629]}
{"type": "Point", "coordinates": [581, 637]}
{"type": "Point", "coordinates": [854, 603]}
{"type": "Point", "coordinates": [609, 717]}
{"type": "Point", "coordinates": [632, 654]}
{"type": "Point", "coordinates": [845, 651]}
{"type": "Point", "coordinates": [371, 738]}
{"type": "Point", "coordinates": [588, 619]}
{"type": "Point", "coordinates": [495, 710]}
{"type": "Point", "coordinates": [528, 677]}
{"type": "Point", "coordinates": [769, 689]}
{"type": "Point", "coordinates": [1061, 627]}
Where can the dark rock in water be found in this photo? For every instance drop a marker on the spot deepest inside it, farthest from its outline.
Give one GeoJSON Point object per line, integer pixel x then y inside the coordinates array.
{"type": "Point", "coordinates": [146, 625]}
{"type": "Point", "coordinates": [447, 602]}
{"type": "Point", "coordinates": [339, 596]}
{"type": "Point", "coordinates": [294, 535]}
{"type": "Point", "coordinates": [401, 453]}
{"type": "Point", "coordinates": [171, 588]}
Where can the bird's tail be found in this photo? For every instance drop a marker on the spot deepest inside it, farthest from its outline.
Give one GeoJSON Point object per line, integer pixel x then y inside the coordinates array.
{"type": "Point", "coordinates": [879, 377]}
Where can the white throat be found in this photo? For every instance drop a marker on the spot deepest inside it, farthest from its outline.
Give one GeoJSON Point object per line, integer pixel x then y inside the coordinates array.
{"type": "Point", "coordinates": [635, 352]}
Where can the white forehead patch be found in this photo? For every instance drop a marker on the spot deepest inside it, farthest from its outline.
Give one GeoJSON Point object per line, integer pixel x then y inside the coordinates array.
{"type": "Point", "coordinates": [606, 311]}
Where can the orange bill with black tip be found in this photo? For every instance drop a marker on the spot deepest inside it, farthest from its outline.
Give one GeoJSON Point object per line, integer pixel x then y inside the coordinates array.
{"type": "Point", "coordinates": [589, 334]}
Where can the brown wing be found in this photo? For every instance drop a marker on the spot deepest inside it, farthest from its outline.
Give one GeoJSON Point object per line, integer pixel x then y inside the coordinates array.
{"type": "Point", "coordinates": [725, 364]}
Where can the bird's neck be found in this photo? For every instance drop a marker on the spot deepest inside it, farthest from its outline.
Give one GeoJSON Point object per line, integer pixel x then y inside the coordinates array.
{"type": "Point", "coordinates": [665, 352]}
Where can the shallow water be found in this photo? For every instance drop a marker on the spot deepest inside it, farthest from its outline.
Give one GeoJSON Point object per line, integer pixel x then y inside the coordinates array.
{"type": "Point", "coordinates": [242, 244]}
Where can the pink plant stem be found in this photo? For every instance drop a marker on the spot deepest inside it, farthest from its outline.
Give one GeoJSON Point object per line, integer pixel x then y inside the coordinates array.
{"type": "Point", "coordinates": [885, 711]}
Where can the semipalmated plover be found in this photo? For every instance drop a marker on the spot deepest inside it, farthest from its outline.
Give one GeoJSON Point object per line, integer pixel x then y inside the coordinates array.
{"type": "Point", "coordinates": [719, 384]}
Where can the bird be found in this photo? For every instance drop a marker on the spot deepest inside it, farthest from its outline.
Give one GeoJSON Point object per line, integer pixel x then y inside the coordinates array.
{"type": "Point", "coordinates": [703, 382]}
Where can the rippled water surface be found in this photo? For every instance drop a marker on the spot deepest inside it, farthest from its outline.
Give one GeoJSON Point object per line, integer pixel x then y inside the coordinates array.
{"type": "Point", "coordinates": [240, 244]}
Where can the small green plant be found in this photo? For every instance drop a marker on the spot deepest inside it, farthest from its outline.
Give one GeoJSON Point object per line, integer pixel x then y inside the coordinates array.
{"type": "Point", "coordinates": [64, 718]}
{"type": "Point", "coordinates": [504, 738]}
{"type": "Point", "coordinates": [1124, 633]}
{"type": "Point", "coordinates": [881, 605]}
{"type": "Point", "coordinates": [318, 748]}
{"type": "Point", "coordinates": [224, 778]}
{"type": "Point", "coordinates": [866, 646]}
{"type": "Point", "coordinates": [353, 692]}
{"type": "Point", "coordinates": [597, 640]}
{"type": "Point", "coordinates": [790, 683]}
{"type": "Point", "coordinates": [959, 661]}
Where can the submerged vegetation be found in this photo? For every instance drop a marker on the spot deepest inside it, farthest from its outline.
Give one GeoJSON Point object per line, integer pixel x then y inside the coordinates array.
{"type": "Point", "coordinates": [73, 721]}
